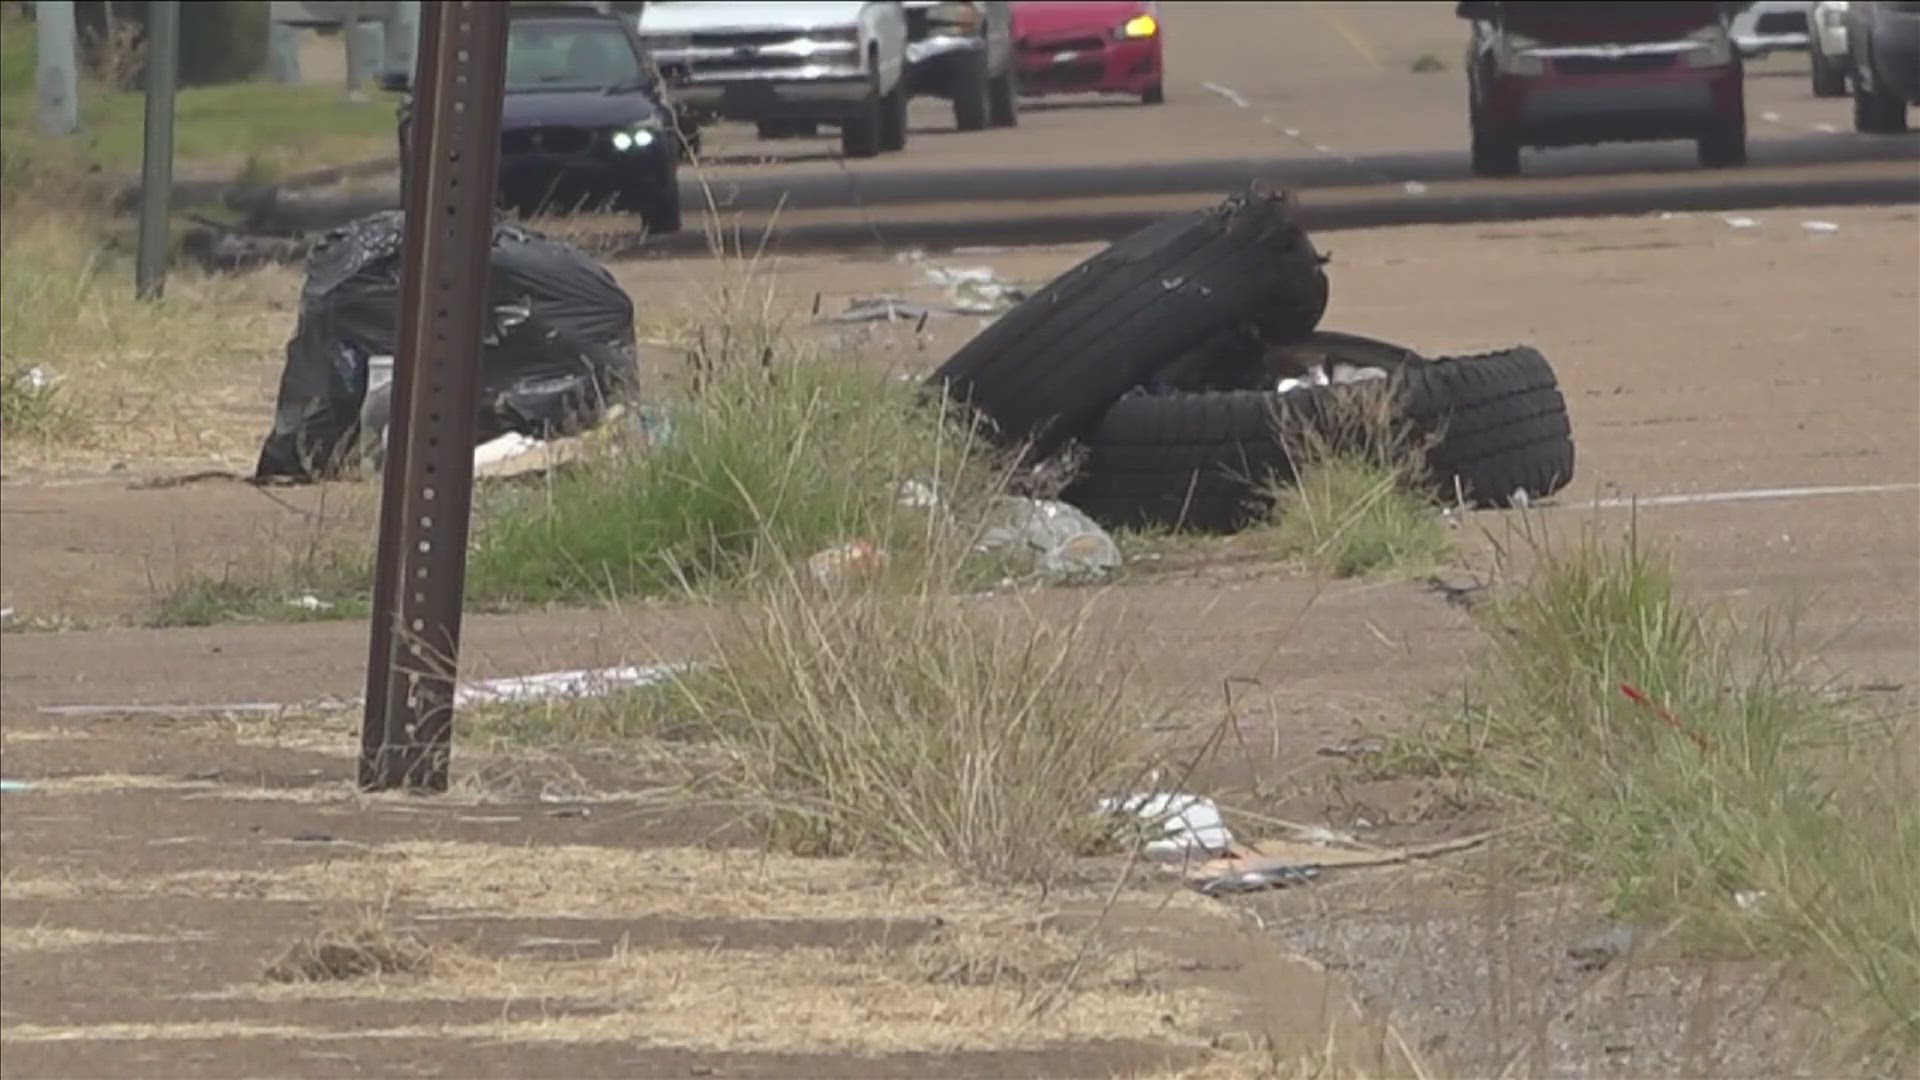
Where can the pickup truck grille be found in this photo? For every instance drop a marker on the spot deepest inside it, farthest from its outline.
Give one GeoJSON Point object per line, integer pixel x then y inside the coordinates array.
{"type": "Point", "coordinates": [742, 39]}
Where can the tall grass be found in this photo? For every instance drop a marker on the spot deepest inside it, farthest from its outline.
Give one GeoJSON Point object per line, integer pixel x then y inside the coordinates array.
{"type": "Point", "coordinates": [1356, 505]}
{"type": "Point", "coordinates": [774, 450]}
{"type": "Point", "coordinates": [1686, 759]}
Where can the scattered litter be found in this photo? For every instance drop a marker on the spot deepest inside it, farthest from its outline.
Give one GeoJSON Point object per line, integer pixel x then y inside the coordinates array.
{"type": "Point", "coordinates": [38, 379]}
{"type": "Point", "coordinates": [851, 561]}
{"type": "Point", "coordinates": [1279, 864]}
{"type": "Point", "coordinates": [883, 309]}
{"type": "Point", "coordinates": [1826, 129]}
{"type": "Point", "coordinates": [975, 290]}
{"type": "Point", "coordinates": [16, 786]}
{"type": "Point", "coordinates": [918, 495]}
{"type": "Point", "coordinates": [1068, 545]}
{"type": "Point", "coordinates": [585, 682]}
{"type": "Point", "coordinates": [1740, 221]}
{"type": "Point", "coordinates": [1770, 117]}
{"type": "Point", "coordinates": [1291, 133]}
{"type": "Point", "coordinates": [1330, 374]}
{"type": "Point", "coordinates": [1674, 215]}
{"type": "Point", "coordinates": [505, 448]}
{"type": "Point", "coordinates": [1820, 228]}
{"type": "Point", "coordinates": [1415, 187]}
{"type": "Point", "coordinates": [1188, 825]}
{"type": "Point", "coordinates": [310, 602]}
{"type": "Point", "coordinates": [1749, 899]}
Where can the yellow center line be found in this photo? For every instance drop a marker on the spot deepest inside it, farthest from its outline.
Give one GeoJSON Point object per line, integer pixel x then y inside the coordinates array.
{"type": "Point", "coordinates": [1339, 26]}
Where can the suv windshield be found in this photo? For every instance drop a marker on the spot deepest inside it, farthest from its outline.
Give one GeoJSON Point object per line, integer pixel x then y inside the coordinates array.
{"type": "Point", "coordinates": [574, 55]}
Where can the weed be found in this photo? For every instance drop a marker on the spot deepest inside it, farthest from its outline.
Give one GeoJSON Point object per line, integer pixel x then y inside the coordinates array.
{"type": "Point", "coordinates": [1354, 507]}
{"type": "Point", "coordinates": [1685, 759]}
{"type": "Point", "coordinates": [367, 951]}
{"type": "Point", "coordinates": [1427, 64]}
{"type": "Point", "coordinates": [33, 404]}
{"type": "Point", "coordinates": [915, 726]}
{"type": "Point", "coordinates": [335, 586]}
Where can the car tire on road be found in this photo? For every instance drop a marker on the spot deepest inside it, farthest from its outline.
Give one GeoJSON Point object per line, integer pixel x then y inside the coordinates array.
{"type": "Point", "coordinates": [1154, 95]}
{"type": "Point", "coordinates": [1045, 371]}
{"type": "Point", "coordinates": [1724, 146]}
{"type": "Point", "coordinates": [893, 120]}
{"type": "Point", "coordinates": [1003, 102]}
{"type": "Point", "coordinates": [972, 104]}
{"type": "Point", "coordinates": [1207, 462]}
{"type": "Point", "coordinates": [1875, 112]}
{"type": "Point", "coordinates": [1494, 153]}
{"type": "Point", "coordinates": [1829, 78]}
{"type": "Point", "coordinates": [860, 134]}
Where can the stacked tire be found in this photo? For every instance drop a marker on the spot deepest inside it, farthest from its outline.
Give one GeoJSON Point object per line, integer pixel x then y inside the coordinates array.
{"type": "Point", "coordinates": [1154, 356]}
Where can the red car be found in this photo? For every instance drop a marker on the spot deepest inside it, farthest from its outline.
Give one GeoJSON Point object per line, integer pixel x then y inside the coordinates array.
{"type": "Point", "coordinates": [1547, 74]}
{"type": "Point", "coordinates": [1092, 46]}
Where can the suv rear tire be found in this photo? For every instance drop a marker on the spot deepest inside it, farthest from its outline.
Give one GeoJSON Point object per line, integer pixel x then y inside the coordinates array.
{"type": "Point", "coordinates": [1724, 146]}
{"type": "Point", "coordinates": [1494, 154]}
{"type": "Point", "coordinates": [860, 133]}
{"type": "Point", "coordinates": [893, 119]}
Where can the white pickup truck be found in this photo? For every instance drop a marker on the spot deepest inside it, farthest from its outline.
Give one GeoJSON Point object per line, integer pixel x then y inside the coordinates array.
{"type": "Point", "coordinates": [785, 66]}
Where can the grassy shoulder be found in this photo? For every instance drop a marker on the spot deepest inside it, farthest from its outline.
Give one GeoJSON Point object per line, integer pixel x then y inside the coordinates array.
{"type": "Point", "coordinates": [258, 129]}
{"type": "Point", "coordinates": [1687, 763]}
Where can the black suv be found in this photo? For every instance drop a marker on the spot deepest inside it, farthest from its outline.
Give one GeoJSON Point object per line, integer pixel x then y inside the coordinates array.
{"type": "Point", "coordinates": [582, 123]}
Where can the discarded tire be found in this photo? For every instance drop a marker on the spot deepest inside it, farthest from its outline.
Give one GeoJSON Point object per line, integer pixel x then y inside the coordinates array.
{"type": "Point", "coordinates": [1496, 422]}
{"type": "Point", "coordinates": [1044, 372]}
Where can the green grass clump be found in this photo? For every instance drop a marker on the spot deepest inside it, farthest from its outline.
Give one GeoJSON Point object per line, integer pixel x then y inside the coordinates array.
{"type": "Point", "coordinates": [330, 586]}
{"type": "Point", "coordinates": [1356, 506]}
{"type": "Point", "coordinates": [1740, 799]}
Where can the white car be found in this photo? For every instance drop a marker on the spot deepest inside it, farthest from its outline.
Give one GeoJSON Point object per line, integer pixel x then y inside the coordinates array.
{"type": "Point", "coordinates": [785, 64]}
{"type": "Point", "coordinates": [1827, 46]}
{"type": "Point", "coordinates": [1771, 25]}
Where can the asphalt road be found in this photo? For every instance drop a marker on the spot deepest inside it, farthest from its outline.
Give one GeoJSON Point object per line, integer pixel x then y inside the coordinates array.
{"type": "Point", "coordinates": [1320, 98]}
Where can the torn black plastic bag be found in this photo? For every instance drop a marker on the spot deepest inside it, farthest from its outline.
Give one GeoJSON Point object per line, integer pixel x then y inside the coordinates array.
{"type": "Point", "coordinates": [559, 348]}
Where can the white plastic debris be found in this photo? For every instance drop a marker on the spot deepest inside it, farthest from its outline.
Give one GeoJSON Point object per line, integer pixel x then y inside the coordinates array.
{"type": "Point", "coordinates": [1820, 228]}
{"type": "Point", "coordinates": [1188, 826]}
{"type": "Point", "coordinates": [309, 602]}
{"type": "Point", "coordinates": [975, 290]}
{"type": "Point", "coordinates": [1414, 187]}
{"type": "Point", "coordinates": [1749, 899]}
{"type": "Point", "coordinates": [39, 379]}
{"type": "Point", "coordinates": [1068, 546]}
{"type": "Point", "coordinates": [1740, 221]}
{"type": "Point", "coordinates": [505, 448]}
{"type": "Point", "coordinates": [1770, 117]}
{"type": "Point", "coordinates": [585, 682]}
{"type": "Point", "coordinates": [918, 495]}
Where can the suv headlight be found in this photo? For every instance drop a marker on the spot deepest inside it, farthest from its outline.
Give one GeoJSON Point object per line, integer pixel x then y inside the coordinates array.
{"type": "Point", "coordinates": [1515, 57]}
{"type": "Point", "coordinates": [1140, 26]}
{"type": "Point", "coordinates": [1712, 47]}
{"type": "Point", "coordinates": [634, 139]}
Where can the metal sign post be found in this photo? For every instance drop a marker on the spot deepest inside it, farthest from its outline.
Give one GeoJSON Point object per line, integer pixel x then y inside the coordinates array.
{"type": "Point", "coordinates": [156, 155]}
{"type": "Point", "coordinates": [406, 739]}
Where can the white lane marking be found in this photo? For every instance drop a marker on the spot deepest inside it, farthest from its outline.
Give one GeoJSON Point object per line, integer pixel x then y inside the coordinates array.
{"type": "Point", "coordinates": [1755, 495]}
{"type": "Point", "coordinates": [1227, 92]}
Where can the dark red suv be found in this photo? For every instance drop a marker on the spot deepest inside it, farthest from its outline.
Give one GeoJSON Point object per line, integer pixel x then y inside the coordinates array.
{"type": "Point", "coordinates": [1550, 73]}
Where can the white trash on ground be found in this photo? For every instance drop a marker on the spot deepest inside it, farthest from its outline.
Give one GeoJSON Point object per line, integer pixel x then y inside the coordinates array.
{"type": "Point", "coordinates": [1820, 228]}
{"type": "Point", "coordinates": [975, 290]}
{"type": "Point", "coordinates": [1741, 221]}
{"type": "Point", "coordinates": [1067, 545]}
{"type": "Point", "coordinates": [1189, 826]}
{"type": "Point", "coordinates": [581, 683]}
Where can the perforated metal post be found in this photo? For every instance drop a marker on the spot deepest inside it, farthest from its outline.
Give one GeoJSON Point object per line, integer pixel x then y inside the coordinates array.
{"type": "Point", "coordinates": [407, 737]}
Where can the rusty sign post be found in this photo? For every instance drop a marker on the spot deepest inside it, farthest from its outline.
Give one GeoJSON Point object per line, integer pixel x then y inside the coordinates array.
{"type": "Point", "coordinates": [407, 737]}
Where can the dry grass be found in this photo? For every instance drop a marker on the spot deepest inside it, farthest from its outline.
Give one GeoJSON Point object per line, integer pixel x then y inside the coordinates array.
{"type": "Point", "coordinates": [183, 379]}
{"type": "Point", "coordinates": [368, 950]}
{"type": "Point", "coordinates": [1691, 765]}
{"type": "Point", "coordinates": [67, 939]}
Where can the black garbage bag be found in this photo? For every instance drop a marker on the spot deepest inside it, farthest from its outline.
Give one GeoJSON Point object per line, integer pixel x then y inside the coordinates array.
{"type": "Point", "coordinates": [559, 348]}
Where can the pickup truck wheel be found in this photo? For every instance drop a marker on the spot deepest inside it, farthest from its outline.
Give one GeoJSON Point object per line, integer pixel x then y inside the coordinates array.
{"type": "Point", "coordinates": [1154, 95]}
{"type": "Point", "coordinates": [1875, 112]}
{"type": "Point", "coordinates": [1497, 425]}
{"type": "Point", "coordinates": [1724, 146]}
{"type": "Point", "coordinates": [1003, 101]}
{"type": "Point", "coordinates": [893, 120]}
{"type": "Point", "coordinates": [860, 133]}
{"type": "Point", "coordinates": [971, 104]}
{"type": "Point", "coordinates": [1829, 78]}
{"type": "Point", "coordinates": [1045, 371]}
